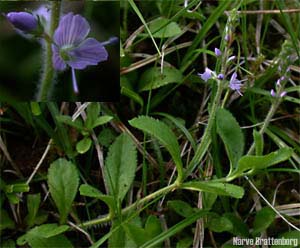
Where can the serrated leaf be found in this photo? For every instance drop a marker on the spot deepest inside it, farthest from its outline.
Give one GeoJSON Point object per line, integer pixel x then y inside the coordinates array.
{"type": "Point", "coordinates": [153, 78]}
{"type": "Point", "coordinates": [225, 189]}
{"type": "Point", "coordinates": [231, 134]}
{"type": "Point", "coordinates": [180, 207]}
{"type": "Point", "coordinates": [102, 120]}
{"type": "Point", "coordinates": [63, 183]}
{"type": "Point", "coordinates": [90, 191]}
{"type": "Point", "coordinates": [83, 145]}
{"type": "Point", "coordinates": [163, 28]}
{"type": "Point", "coordinates": [163, 133]}
{"type": "Point", "coordinates": [263, 219]}
{"type": "Point", "coordinates": [250, 162]}
{"type": "Point", "coordinates": [33, 203]}
{"type": "Point", "coordinates": [120, 166]}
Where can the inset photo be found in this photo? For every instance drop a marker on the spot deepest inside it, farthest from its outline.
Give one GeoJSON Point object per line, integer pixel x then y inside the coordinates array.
{"type": "Point", "coordinates": [59, 51]}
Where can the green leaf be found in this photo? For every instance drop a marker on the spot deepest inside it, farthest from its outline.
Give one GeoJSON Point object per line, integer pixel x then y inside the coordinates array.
{"type": "Point", "coordinates": [35, 240]}
{"type": "Point", "coordinates": [5, 221]}
{"type": "Point", "coordinates": [152, 226]}
{"type": "Point", "coordinates": [132, 95]}
{"type": "Point", "coordinates": [185, 243]}
{"type": "Point", "coordinates": [294, 236]}
{"type": "Point", "coordinates": [250, 162]}
{"type": "Point", "coordinates": [231, 134]}
{"type": "Point", "coordinates": [68, 121]}
{"type": "Point", "coordinates": [263, 220]}
{"type": "Point", "coordinates": [93, 111]}
{"type": "Point", "coordinates": [35, 108]}
{"type": "Point", "coordinates": [102, 120]}
{"type": "Point", "coordinates": [17, 188]}
{"type": "Point", "coordinates": [33, 203]}
{"type": "Point", "coordinates": [259, 143]}
{"type": "Point", "coordinates": [174, 229]}
{"type": "Point", "coordinates": [180, 207]}
{"type": "Point", "coordinates": [239, 228]}
{"type": "Point", "coordinates": [153, 78]}
{"type": "Point", "coordinates": [90, 191]}
{"type": "Point", "coordinates": [163, 28]}
{"type": "Point", "coordinates": [217, 223]}
{"type": "Point", "coordinates": [225, 189]}
{"type": "Point", "coordinates": [120, 166]}
{"type": "Point", "coordinates": [63, 182]}
{"type": "Point", "coordinates": [106, 137]}
{"type": "Point", "coordinates": [163, 133]}
{"type": "Point", "coordinates": [42, 233]}
{"type": "Point", "coordinates": [136, 233]}
{"type": "Point", "coordinates": [84, 145]}
{"type": "Point", "coordinates": [181, 127]}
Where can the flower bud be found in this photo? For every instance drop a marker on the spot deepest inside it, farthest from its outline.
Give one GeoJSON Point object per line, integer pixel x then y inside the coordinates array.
{"type": "Point", "coordinates": [218, 52]}
{"type": "Point", "coordinates": [22, 20]}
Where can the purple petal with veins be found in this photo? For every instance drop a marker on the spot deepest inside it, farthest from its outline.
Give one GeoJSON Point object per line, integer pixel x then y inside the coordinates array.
{"type": "Point", "coordinates": [206, 75]}
{"type": "Point", "coordinates": [90, 52]}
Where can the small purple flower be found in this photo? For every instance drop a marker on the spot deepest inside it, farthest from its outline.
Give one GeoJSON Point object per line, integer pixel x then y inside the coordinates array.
{"type": "Point", "coordinates": [231, 58]}
{"type": "Point", "coordinates": [272, 93]}
{"type": "Point", "coordinates": [23, 21]}
{"type": "Point", "coordinates": [218, 52]}
{"type": "Point", "coordinates": [235, 84]}
{"type": "Point", "coordinates": [227, 37]}
{"type": "Point", "coordinates": [73, 48]}
{"type": "Point", "coordinates": [221, 76]}
{"type": "Point", "coordinates": [278, 82]}
{"type": "Point", "coordinates": [206, 75]}
{"type": "Point", "coordinates": [282, 94]}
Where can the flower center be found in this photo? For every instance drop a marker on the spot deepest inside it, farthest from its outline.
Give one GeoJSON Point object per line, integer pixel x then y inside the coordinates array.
{"type": "Point", "coordinates": [64, 52]}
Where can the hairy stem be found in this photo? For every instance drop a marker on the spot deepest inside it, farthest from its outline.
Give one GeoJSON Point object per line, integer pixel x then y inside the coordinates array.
{"type": "Point", "coordinates": [136, 204]}
{"type": "Point", "coordinates": [48, 74]}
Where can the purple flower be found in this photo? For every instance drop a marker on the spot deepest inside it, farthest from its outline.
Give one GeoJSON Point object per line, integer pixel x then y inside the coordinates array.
{"type": "Point", "coordinates": [227, 37]}
{"type": "Point", "coordinates": [282, 94]}
{"type": "Point", "coordinates": [272, 93]}
{"type": "Point", "coordinates": [73, 48]}
{"type": "Point", "coordinates": [206, 75]}
{"type": "Point", "coordinates": [218, 52]}
{"type": "Point", "coordinates": [22, 20]}
{"type": "Point", "coordinates": [235, 84]}
{"type": "Point", "coordinates": [221, 76]}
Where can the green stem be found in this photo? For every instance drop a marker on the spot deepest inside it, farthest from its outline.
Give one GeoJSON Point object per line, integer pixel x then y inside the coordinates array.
{"type": "Point", "coordinates": [267, 120]}
{"type": "Point", "coordinates": [48, 74]}
{"type": "Point", "coordinates": [206, 138]}
{"type": "Point", "coordinates": [137, 204]}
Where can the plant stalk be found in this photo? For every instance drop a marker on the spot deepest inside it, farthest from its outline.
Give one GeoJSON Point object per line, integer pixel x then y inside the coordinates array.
{"type": "Point", "coordinates": [48, 74]}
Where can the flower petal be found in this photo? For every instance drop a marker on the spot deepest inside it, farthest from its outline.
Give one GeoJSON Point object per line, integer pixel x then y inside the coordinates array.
{"type": "Point", "coordinates": [89, 52]}
{"type": "Point", "coordinates": [57, 61]}
{"type": "Point", "coordinates": [22, 20]}
{"type": "Point", "coordinates": [72, 30]}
